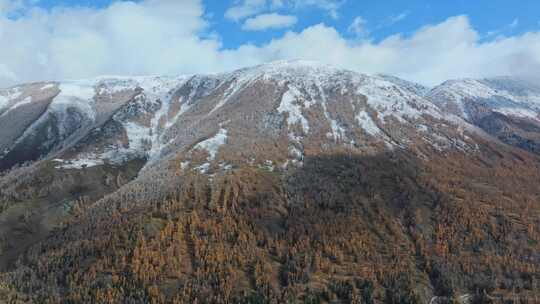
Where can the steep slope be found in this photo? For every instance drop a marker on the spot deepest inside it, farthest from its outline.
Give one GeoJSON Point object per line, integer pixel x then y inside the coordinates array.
{"type": "Point", "coordinates": [110, 120]}
{"type": "Point", "coordinates": [46, 118]}
{"type": "Point", "coordinates": [290, 181]}
{"type": "Point", "coordinates": [414, 87]}
{"type": "Point", "coordinates": [301, 106]}
{"type": "Point", "coordinates": [507, 108]}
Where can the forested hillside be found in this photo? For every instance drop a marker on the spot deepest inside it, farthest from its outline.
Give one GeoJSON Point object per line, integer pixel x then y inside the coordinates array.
{"type": "Point", "coordinates": [284, 183]}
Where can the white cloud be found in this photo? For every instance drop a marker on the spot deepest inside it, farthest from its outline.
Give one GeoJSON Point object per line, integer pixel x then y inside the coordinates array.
{"type": "Point", "coordinates": [269, 21]}
{"type": "Point", "coordinates": [7, 5]}
{"type": "Point", "coordinates": [173, 37]}
{"type": "Point", "coordinates": [435, 53]}
{"type": "Point", "coordinates": [391, 20]}
{"type": "Point", "coordinates": [331, 6]}
{"type": "Point", "coordinates": [358, 27]}
{"type": "Point", "coordinates": [147, 37]}
{"type": "Point", "coordinates": [277, 3]}
{"type": "Point", "coordinates": [4, 6]}
{"type": "Point", "coordinates": [245, 8]}
{"type": "Point", "coordinates": [10, 7]}
{"type": "Point", "coordinates": [507, 28]}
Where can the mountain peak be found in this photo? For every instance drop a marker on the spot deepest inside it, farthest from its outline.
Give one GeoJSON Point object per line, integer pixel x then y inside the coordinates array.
{"type": "Point", "coordinates": [288, 70]}
{"type": "Point", "coordinates": [293, 64]}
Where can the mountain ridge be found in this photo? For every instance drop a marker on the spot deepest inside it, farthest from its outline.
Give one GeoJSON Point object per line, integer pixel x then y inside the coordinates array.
{"type": "Point", "coordinates": [80, 92]}
{"type": "Point", "coordinates": [276, 183]}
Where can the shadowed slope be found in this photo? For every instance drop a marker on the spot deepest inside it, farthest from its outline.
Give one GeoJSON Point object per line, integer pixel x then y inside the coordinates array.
{"type": "Point", "coordinates": [343, 227]}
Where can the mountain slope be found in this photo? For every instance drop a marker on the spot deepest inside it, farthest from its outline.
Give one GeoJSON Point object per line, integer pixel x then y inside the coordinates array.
{"type": "Point", "coordinates": [290, 181]}
{"type": "Point", "coordinates": [110, 120]}
{"type": "Point", "coordinates": [507, 108]}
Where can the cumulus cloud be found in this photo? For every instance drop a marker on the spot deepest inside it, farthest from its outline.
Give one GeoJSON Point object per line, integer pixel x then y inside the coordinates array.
{"type": "Point", "coordinates": [173, 37]}
{"type": "Point", "coordinates": [269, 21]}
{"type": "Point", "coordinates": [146, 37]}
{"type": "Point", "coordinates": [433, 54]}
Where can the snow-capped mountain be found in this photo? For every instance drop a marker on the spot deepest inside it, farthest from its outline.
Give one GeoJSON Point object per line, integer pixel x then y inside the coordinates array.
{"type": "Point", "coordinates": [42, 118]}
{"type": "Point", "coordinates": [114, 119]}
{"type": "Point", "coordinates": [505, 107]}
{"type": "Point", "coordinates": [509, 96]}
{"type": "Point", "coordinates": [300, 176]}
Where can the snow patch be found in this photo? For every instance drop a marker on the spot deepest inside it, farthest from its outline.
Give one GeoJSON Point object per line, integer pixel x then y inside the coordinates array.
{"type": "Point", "coordinates": [184, 165]}
{"type": "Point", "coordinates": [212, 144]}
{"type": "Point", "coordinates": [237, 84]}
{"type": "Point", "coordinates": [518, 112]}
{"type": "Point", "coordinates": [184, 107]}
{"type": "Point", "coordinates": [389, 99]}
{"type": "Point", "coordinates": [78, 94]}
{"type": "Point", "coordinates": [203, 168]}
{"type": "Point", "coordinates": [23, 102]}
{"type": "Point", "coordinates": [289, 105]}
{"type": "Point", "coordinates": [8, 95]}
{"type": "Point", "coordinates": [3, 102]}
{"type": "Point", "coordinates": [88, 161]}
{"type": "Point", "coordinates": [225, 166]}
{"type": "Point", "coordinates": [138, 136]}
{"type": "Point", "coordinates": [47, 86]}
{"type": "Point", "coordinates": [296, 153]}
{"type": "Point", "coordinates": [111, 87]}
{"type": "Point", "coordinates": [367, 124]}
{"type": "Point", "coordinates": [337, 132]}
{"type": "Point", "coordinates": [422, 128]}
{"type": "Point", "coordinates": [268, 165]}
{"type": "Point", "coordinates": [160, 88]}
{"type": "Point", "coordinates": [505, 100]}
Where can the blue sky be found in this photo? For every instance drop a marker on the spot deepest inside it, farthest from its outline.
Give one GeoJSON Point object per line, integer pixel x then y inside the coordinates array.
{"type": "Point", "coordinates": [424, 41]}
{"type": "Point", "coordinates": [486, 16]}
